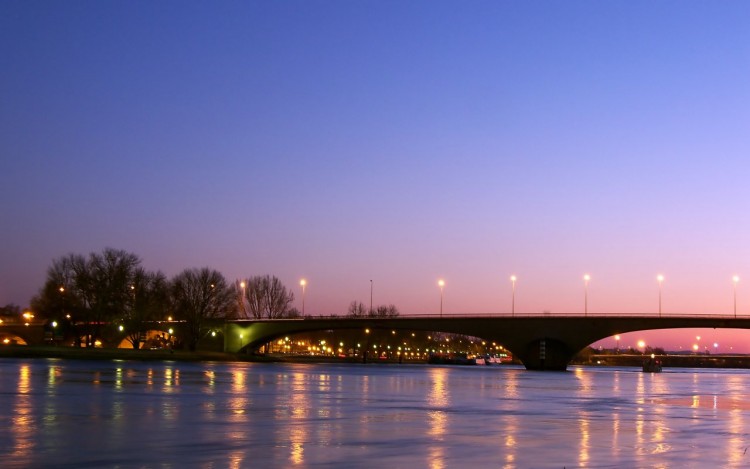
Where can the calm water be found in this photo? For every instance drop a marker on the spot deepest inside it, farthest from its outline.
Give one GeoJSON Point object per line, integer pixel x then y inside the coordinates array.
{"type": "Point", "coordinates": [56, 413]}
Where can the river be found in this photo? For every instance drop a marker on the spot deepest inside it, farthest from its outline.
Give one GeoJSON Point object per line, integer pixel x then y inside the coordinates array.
{"type": "Point", "coordinates": [77, 414]}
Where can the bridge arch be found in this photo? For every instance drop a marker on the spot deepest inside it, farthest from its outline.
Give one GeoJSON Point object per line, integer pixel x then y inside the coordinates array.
{"type": "Point", "coordinates": [541, 342]}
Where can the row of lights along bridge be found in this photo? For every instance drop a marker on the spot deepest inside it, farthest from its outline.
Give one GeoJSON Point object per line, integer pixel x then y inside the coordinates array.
{"type": "Point", "coordinates": [514, 278]}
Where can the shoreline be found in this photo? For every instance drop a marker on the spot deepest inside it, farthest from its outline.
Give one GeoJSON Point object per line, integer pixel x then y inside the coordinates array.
{"type": "Point", "coordinates": [71, 353]}
{"type": "Point", "coordinates": [48, 351]}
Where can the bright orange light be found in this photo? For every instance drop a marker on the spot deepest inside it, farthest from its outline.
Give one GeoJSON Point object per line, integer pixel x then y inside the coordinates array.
{"type": "Point", "coordinates": [303, 282]}
{"type": "Point", "coordinates": [441, 283]}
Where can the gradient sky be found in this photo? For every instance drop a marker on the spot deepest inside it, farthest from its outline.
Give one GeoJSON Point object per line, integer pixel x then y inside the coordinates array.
{"type": "Point", "coordinates": [395, 141]}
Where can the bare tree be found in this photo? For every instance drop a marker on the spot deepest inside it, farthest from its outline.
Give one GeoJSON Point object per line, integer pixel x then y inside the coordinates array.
{"type": "Point", "coordinates": [93, 290]}
{"type": "Point", "coordinates": [383, 311]}
{"type": "Point", "coordinates": [267, 297]}
{"type": "Point", "coordinates": [197, 295]}
{"type": "Point", "coordinates": [357, 310]}
{"type": "Point", "coordinates": [149, 302]}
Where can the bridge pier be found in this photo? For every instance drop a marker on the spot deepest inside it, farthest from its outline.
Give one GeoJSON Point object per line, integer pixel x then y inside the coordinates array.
{"type": "Point", "coordinates": [546, 355]}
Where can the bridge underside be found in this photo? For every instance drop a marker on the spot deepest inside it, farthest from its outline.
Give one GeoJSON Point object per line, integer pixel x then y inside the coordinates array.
{"type": "Point", "coordinates": [540, 343]}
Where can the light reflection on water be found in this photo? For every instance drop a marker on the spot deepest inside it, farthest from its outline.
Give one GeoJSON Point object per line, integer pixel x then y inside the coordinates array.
{"type": "Point", "coordinates": [131, 414]}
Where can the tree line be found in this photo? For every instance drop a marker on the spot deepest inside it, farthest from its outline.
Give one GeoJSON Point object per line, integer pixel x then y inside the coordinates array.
{"type": "Point", "coordinates": [111, 289]}
{"type": "Point", "coordinates": [98, 293]}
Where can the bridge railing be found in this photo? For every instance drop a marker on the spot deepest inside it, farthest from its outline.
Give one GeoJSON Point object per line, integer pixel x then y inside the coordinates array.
{"type": "Point", "coordinates": [539, 314]}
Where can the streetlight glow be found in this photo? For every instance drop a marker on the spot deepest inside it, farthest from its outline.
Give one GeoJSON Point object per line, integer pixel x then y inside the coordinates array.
{"type": "Point", "coordinates": [513, 279]}
{"type": "Point", "coordinates": [586, 279]}
{"type": "Point", "coordinates": [441, 284]}
{"type": "Point", "coordinates": [735, 281]}
{"type": "Point", "coordinates": [660, 279]}
{"type": "Point", "coordinates": [303, 284]}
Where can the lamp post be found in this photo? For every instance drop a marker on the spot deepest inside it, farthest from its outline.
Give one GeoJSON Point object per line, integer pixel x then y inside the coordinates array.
{"type": "Point", "coordinates": [617, 341]}
{"type": "Point", "coordinates": [660, 279]}
{"type": "Point", "coordinates": [513, 279]}
{"type": "Point", "coordinates": [370, 297]}
{"type": "Point", "coordinates": [586, 279]}
{"type": "Point", "coordinates": [303, 284]}
{"type": "Point", "coordinates": [62, 301]}
{"type": "Point", "coordinates": [735, 280]}
{"type": "Point", "coordinates": [441, 284]}
{"type": "Point", "coordinates": [243, 285]}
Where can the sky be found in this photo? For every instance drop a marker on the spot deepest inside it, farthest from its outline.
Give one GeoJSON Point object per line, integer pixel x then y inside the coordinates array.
{"type": "Point", "coordinates": [387, 141]}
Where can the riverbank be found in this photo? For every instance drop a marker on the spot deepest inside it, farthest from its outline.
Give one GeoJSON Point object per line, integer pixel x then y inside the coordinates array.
{"type": "Point", "coordinates": [24, 351]}
{"type": "Point", "coordinates": [673, 360]}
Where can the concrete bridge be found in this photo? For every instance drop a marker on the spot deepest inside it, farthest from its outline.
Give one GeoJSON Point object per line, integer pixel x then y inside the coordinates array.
{"type": "Point", "coordinates": [542, 342]}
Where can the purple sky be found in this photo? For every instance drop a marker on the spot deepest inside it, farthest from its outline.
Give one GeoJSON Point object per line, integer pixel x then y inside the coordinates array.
{"type": "Point", "coordinates": [395, 141]}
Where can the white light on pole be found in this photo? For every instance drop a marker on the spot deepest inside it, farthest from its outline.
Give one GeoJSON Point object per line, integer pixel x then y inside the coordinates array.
{"type": "Point", "coordinates": [735, 280]}
{"type": "Point", "coordinates": [513, 279]}
{"type": "Point", "coordinates": [243, 285]}
{"type": "Point", "coordinates": [660, 279]}
{"type": "Point", "coordinates": [586, 279]}
{"type": "Point", "coordinates": [303, 284]}
{"type": "Point", "coordinates": [441, 284]}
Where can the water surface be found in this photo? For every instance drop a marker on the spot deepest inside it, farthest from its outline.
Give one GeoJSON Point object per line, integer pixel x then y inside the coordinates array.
{"type": "Point", "coordinates": [71, 414]}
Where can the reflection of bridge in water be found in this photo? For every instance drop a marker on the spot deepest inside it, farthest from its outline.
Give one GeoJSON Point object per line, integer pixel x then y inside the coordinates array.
{"type": "Point", "coordinates": [542, 341]}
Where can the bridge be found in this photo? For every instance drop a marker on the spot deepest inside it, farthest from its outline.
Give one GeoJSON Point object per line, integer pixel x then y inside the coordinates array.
{"type": "Point", "coordinates": [540, 341]}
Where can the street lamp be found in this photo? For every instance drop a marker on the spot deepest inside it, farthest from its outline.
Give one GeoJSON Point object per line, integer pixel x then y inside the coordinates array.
{"type": "Point", "coordinates": [586, 279]}
{"type": "Point", "coordinates": [617, 341]}
{"type": "Point", "coordinates": [243, 285]}
{"type": "Point", "coordinates": [513, 279]}
{"type": "Point", "coordinates": [303, 284]}
{"type": "Point", "coordinates": [441, 284]}
{"type": "Point", "coordinates": [660, 279]}
{"type": "Point", "coordinates": [370, 296]}
{"type": "Point", "coordinates": [735, 280]}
